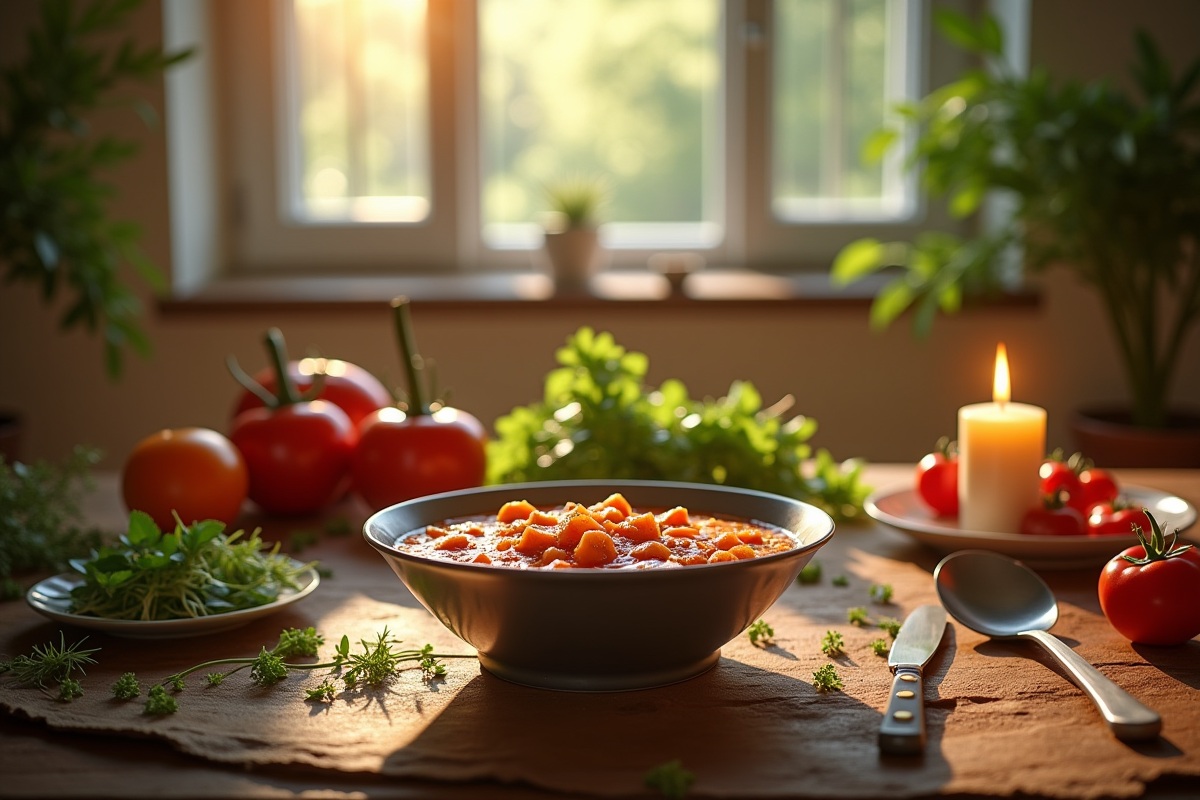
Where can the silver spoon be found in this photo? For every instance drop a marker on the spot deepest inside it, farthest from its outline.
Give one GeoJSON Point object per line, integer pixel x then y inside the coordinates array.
{"type": "Point", "coordinates": [1004, 599]}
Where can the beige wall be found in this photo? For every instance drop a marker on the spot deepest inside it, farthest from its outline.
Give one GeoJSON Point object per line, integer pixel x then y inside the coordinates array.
{"type": "Point", "coordinates": [885, 397]}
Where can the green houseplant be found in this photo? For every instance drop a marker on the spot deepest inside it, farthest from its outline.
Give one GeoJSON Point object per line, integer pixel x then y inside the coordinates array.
{"type": "Point", "coordinates": [1101, 183]}
{"type": "Point", "coordinates": [571, 238]}
{"type": "Point", "coordinates": [54, 226]}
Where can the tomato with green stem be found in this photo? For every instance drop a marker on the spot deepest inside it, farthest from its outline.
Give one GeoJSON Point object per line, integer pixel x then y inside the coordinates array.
{"type": "Point", "coordinates": [937, 478]}
{"type": "Point", "coordinates": [348, 386]}
{"type": "Point", "coordinates": [297, 449]}
{"type": "Point", "coordinates": [1151, 592]}
{"type": "Point", "coordinates": [424, 449]}
{"type": "Point", "coordinates": [1113, 517]}
{"type": "Point", "coordinates": [1061, 475]}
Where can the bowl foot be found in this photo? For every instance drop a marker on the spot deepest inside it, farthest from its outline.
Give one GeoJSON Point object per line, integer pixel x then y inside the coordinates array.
{"type": "Point", "coordinates": [619, 682]}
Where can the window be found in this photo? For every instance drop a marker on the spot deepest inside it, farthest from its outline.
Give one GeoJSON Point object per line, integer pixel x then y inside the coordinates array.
{"type": "Point", "coordinates": [373, 136]}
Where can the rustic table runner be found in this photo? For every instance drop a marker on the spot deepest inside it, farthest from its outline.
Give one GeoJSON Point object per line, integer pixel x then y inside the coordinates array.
{"type": "Point", "coordinates": [1002, 719]}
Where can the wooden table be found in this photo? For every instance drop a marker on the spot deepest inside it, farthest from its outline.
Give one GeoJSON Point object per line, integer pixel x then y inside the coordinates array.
{"type": "Point", "coordinates": [36, 761]}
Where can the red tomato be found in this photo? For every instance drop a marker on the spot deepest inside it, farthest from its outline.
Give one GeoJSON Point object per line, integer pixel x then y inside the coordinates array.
{"type": "Point", "coordinates": [400, 457]}
{"type": "Point", "coordinates": [937, 480]}
{"type": "Point", "coordinates": [1151, 593]}
{"type": "Point", "coordinates": [348, 386]}
{"type": "Point", "coordinates": [1063, 521]}
{"type": "Point", "coordinates": [1104, 519]}
{"type": "Point", "coordinates": [1098, 486]}
{"type": "Point", "coordinates": [298, 455]}
{"type": "Point", "coordinates": [1058, 476]}
{"type": "Point", "coordinates": [195, 472]}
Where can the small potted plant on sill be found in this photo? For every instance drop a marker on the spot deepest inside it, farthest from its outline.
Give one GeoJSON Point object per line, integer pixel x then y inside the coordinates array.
{"type": "Point", "coordinates": [571, 237]}
{"type": "Point", "coordinates": [1101, 183]}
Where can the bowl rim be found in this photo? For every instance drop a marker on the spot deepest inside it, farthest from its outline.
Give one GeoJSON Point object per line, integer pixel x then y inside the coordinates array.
{"type": "Point", "coordinates": [827, 529]}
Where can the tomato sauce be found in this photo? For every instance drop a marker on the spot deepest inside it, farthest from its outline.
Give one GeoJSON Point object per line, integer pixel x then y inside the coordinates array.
{"type": "Point", "coordinates": [611, 534]}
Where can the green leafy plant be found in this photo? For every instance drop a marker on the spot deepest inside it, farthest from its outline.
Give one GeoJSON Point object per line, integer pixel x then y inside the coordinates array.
{"type": "Point", "coordinates": [52, 663]}
{"type": "Point", "coordinates": [881, 593]}
{"type": "Point", "coordinates": [826, 679]}
{"type": "Point", "coordinates": [126, 687]}
{"type": "Point", "coordinates": [55, 227]}
{"type": "Point", "coordinates": [761, 631]}
{"type": "Point", "coordinates": [670, 779]}
{"type": "Point", "coordinates": [857, 616]}
{"type": "Point", "coordinates": [890, 625]}
{"type": "Point", "coordinates": [832, 644]}
{"type": "Point", "coordinates": [1102, 183]}
{"type": "Point", "coordinates": [159, 703]}
{"type": "Point", "coordinates": [810, 573]}
{"type": "Point", "coordinates": [597, 419]}
{"type": "Point", "coordinates": [574, 202]}
{"type": "Point", "coordinates": [195, 571]}
{"type": "Point", "coordinates": [880, 647]}
{"type": "Point", "coordinates": [840, 580]}
{"type": "Point", "coordinates": [39, 515]}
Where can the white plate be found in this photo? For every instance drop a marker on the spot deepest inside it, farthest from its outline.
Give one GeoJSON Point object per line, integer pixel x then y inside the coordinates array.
{"type": "Point", "coordinates": [52, 598]}
{"type": "Point", "coordinates": [901, 508]}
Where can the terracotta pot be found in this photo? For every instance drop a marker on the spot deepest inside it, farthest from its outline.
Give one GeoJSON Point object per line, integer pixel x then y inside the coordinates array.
{"type": "Point", "coordinates": [1108, 437]}
{"type": "Point", "coordinates": [572, 255]}
{"type": "Point", "coordinates": [10, 436]}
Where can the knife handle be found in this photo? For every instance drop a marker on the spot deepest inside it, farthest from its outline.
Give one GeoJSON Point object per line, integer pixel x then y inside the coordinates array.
{"type": "Point", "coordinates": [902, 731]}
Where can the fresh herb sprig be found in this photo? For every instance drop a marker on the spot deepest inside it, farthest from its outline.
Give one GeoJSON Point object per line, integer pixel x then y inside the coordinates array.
{"type": "Point", "coordinates": [599, 419]}
{"type": "Point", "coordinates": [832, 644]}
{"type": "Point", "coordinates": [670, 779]}
{"type": "Point", "coordinates": [195, 571]}
{"type": "Point", "coordinates": [52, 663]}
{"type": "Point", "coordinates": [826, 678]}
{"type": "Point", "coordinates": [810, 573]}
{"type": "Point", "coordinates": [881, 593]}
{"type": "Point", "coordinates": [39, 517]}
{"type": "Point", "coordinates": [891, 625]}
{"type": "Point", "coordinates": [762, 632]}
{"type": "Point", "coordinates": [377, 661]}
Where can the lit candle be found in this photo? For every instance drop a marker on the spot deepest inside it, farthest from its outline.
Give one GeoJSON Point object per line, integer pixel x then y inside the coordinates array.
{"type": "Point", "coordinates": [1000, 447]}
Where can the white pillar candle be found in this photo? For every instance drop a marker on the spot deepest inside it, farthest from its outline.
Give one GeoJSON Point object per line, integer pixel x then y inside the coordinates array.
{"type": "Point", "coordinates": [1001, 445]}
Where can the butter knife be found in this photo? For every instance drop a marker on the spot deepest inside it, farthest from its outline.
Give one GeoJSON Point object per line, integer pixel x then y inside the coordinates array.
{"type": "Point", "coordinates": [902, 731]}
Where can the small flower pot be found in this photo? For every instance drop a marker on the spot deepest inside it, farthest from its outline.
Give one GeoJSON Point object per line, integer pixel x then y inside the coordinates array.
{"type": "Point", "coordinates": [1109, 437]}
{"type": "Point", "coordinates": [573, 255]}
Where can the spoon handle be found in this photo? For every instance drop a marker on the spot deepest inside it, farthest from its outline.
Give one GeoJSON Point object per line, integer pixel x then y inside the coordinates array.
{"type": "Point", "coordinates": [1129, 720]}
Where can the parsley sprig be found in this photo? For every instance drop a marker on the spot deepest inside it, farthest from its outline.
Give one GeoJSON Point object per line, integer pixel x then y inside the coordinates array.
{"type": "Point", "coordinates": [761, 631]}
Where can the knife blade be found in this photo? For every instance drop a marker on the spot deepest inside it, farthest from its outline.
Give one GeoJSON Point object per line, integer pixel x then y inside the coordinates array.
{"type": "Point", "coordinates": [902, 731]}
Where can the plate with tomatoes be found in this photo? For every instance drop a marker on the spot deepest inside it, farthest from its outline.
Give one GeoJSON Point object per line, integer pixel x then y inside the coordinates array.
{"type": "Point", "coordinates": [904, 509]}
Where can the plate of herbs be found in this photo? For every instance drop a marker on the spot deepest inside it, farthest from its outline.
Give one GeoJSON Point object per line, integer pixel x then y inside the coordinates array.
{"type": "Point", "coordinates": [195, 580]}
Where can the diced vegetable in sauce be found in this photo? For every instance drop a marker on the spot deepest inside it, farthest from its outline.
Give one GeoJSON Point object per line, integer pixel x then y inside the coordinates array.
{"type": "Point", "coordinates": [610, 534]}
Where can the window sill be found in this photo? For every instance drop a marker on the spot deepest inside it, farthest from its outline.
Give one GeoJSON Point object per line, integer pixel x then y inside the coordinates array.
{"type": "Point", "coordinates": [509, 290]}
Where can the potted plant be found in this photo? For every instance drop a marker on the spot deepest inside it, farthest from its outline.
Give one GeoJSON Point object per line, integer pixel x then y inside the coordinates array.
{"type": "Point", "coordinates": [1100, 183]}
{"type": "Point", "coordinates": [55, 228]}
{"type": "Point", "coordinates": [571, 238]}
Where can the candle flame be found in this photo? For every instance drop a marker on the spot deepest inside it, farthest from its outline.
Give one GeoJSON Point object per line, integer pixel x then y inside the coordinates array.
{"type": "Point", "coordinates": [1001, 388]}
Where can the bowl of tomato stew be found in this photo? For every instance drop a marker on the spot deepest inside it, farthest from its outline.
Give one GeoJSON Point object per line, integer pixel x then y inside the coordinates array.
{"type": "Point", "coordinates": [598, 585]}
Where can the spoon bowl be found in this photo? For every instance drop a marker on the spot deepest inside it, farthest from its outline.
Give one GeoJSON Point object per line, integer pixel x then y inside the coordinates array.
{"type": "Point", "coordinates": [1004, 599]}
{"type": "Point", "coordinates": [993, 595]}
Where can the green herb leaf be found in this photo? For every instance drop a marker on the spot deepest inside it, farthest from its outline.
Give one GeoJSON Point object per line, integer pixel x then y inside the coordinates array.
{"type": "Point", "coordinates": [832, 644]}
{"type": "Point", "coordinates": [761, 632]}
{"type": "Point", "coordinates": [879, 647]}
{"type": "Point", "coordinates": [826, 679]}
{"type": "Point", "coordinates": [159, 703]}
{"type": "Point", "coordinates": [881, 593]}
{"type": "Point", "coordinates": [126, 687]}
{"type": "Point", "coordinates": [670, 779]}
{"type": "Point", "coordinates": [892, 626]}
{"type": "Point", "coordinates": [810, 573]}
{"type": "Point", "coordinates": [857, 616]}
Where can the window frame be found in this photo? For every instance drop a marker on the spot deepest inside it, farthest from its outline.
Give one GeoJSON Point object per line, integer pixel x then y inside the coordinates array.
{"type": "Point", "coordinates": [238, 71]}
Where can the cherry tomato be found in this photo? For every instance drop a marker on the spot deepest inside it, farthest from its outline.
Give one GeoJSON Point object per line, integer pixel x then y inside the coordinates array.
{"type": "Point", "coordinates": [348, 386]}
{"type": "Point", "coordinates": [297, 452]}
{"type": "Point", "coordinates": [429, 449]}
{"type": "Point", "coordinates": [1113, 517]}
{"type": "Point", "coordinates": [1052, 521]}
{"type": "Point", "coordinates": [400, 457]}
{"type": "Point", "coordinates": [937, 479]}
{"type": "Point", "coordinates": [195, 472]}
{"type": "Point", "coordinates": [1098, 486]}
{"type": "Point", "coordinates": [1151, 592]}
{"type": "Point", "coordinates": [1059, 476]}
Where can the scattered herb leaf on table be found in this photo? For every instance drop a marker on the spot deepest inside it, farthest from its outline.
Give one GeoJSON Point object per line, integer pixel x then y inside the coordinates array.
{"type": "Point", "coordinates": [599, 420]}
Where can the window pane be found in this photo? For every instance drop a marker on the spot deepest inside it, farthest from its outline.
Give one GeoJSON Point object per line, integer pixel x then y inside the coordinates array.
{"type": "Point", "coordinates": [625, 89]}
{"type": "Point", "coordinates": [361, 83]}
{"type": "Point", "coordinates": [839, 65]}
